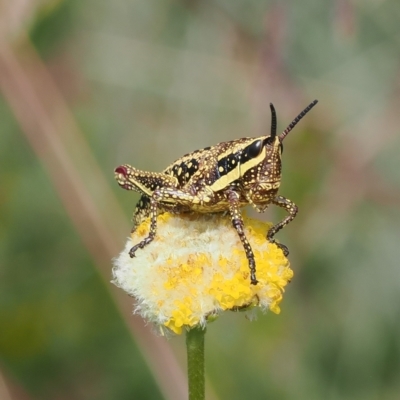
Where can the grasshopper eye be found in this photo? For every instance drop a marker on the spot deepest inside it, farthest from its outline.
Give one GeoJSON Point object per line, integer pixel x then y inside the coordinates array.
{"type": "Point", "coordinates": [281, 147]}
{"type": "Point", "coordinates": [255, 149]}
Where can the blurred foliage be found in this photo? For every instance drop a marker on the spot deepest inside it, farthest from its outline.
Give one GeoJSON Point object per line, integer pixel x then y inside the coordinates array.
{"type": "Point", "coordinates": [150, 80]}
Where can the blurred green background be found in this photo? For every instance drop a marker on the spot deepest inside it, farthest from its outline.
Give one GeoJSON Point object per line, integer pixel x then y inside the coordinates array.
{"type": "Point", "coordinates": [90, 84]}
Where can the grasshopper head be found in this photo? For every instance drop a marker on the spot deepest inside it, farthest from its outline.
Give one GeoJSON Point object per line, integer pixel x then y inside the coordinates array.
{"type": "Point", "coordinates": [276, 141]}
{"type": "Point", "coordinates": [268, 177]}
{"type": "Point", "coordinates": [271, 169]}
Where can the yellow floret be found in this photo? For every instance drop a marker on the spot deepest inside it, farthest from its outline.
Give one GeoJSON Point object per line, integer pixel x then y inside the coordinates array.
{"type": "Point", "coordinates": [196, 267]}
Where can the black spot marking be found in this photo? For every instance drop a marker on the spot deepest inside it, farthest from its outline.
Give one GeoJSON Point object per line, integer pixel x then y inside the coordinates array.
{"type": "Point", "coordinates": [184, 170]}
{"type": "Point", "coordinates": [194, 165]}
{"type": "Point", "coordinates": [228, 163]}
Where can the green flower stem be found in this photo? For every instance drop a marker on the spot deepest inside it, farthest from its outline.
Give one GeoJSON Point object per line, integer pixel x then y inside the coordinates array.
{"type": "Point", "coordinates": [195, 360]}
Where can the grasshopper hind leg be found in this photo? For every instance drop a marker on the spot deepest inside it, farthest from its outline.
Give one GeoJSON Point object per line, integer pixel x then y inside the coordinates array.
{"type": "Point", "coordinates": [152, 207]}
{"type": "Point", "coordinates": [149, 208]}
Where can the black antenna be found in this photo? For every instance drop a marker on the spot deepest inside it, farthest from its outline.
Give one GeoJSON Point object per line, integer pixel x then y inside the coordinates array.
{"type": "Point", "coordinates": [273, 121]}
{"type": "Point", "coordinates": [296, 120]}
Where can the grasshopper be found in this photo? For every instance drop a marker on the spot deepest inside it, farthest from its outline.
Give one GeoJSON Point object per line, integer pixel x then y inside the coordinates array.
{"type": "Point", "coordinates": [221, 178]}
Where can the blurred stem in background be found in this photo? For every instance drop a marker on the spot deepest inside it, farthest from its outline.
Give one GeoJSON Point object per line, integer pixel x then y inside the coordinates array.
{"type": "Point", "coordinates": [4, 390]}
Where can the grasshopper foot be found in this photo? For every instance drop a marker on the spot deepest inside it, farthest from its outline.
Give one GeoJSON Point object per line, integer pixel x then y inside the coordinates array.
{"type": "Point", "coordinates": [284, 248]}
{"type": "Point", "coordinates": [140, 245]}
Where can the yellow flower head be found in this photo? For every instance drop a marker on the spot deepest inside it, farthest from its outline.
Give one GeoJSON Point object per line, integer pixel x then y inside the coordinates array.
{"type": "Point", "coordinates": [196, 267]}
